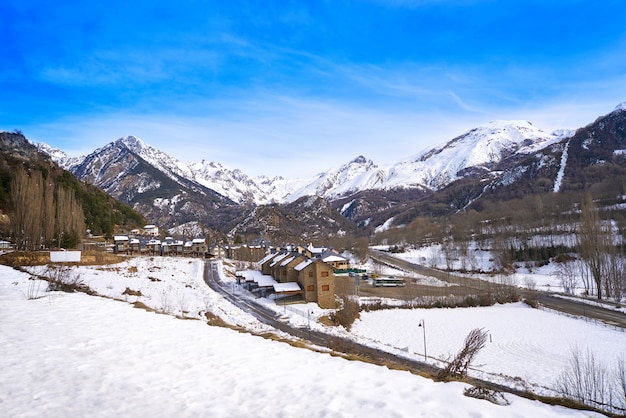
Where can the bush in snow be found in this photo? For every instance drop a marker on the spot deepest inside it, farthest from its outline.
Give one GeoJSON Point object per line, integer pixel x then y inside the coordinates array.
{"type": "Point", "coordinates": [474, 342]}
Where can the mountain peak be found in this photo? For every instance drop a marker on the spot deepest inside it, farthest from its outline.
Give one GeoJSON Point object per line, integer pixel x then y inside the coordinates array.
{"type": "Point", "coordinates": [620, 107]}
{"type": "Point", "coordinates": [359, 160]}
{"type": "Point", "coordinates": [132, 143]}
{"type": "Point", "coordinates": [501, 123]}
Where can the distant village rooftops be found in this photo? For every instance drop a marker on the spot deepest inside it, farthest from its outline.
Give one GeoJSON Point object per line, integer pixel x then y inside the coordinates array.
{"type": "Point", "coordinates": [151, 245]}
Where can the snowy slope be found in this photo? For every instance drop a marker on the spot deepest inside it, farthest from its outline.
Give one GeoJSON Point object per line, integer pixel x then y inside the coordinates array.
{"type": "Point", "coordinates": [233, 184]}
{"type": "Point", "coordinates": [358, 174]}
{"type": "Point", "coordinates": [479, 149]}
{"type": "Point", "coordinates": [91, 356]}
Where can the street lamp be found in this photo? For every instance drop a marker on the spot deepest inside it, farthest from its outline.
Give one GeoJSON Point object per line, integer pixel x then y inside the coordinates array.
{"type": "Point", "coordinates": [308, 314]}
{"type": "Point", "coordinates": [422, 324]}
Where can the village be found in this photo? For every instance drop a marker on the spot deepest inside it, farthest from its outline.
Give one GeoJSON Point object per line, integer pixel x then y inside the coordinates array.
{"type": "Point", "coordinates": [293, 273]}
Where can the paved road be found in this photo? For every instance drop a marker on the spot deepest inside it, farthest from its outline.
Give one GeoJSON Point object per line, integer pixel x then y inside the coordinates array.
{"type": "Point", "coordinates": [266, 316]}
{"type": "Point", "coordinates": [545, 299]}
{"type": "Point", "coordinates": [337, 344]}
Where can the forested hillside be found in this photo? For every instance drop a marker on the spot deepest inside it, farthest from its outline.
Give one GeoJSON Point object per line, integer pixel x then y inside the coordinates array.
{"type": "Point", "coordinates": [42, 205]}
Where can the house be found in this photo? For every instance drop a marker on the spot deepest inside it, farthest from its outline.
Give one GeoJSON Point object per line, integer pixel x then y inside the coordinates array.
{"type": "Point", "coordinates": [134, 245]}
{"type": "Point", "coordinates": [275, 264]}
{"type": "Point", "coordinates": [198, 247]}
{"type": "Point", "coordinates": [266, 262]}
{"type": "Point", "coordinates": [286, 268]}
{"type": "Point", "coordinates": [153, 247]}
{"type": "Point", "coordinates": [120, 244]}
{"type": "Point", "coordinates": [313, 252]}
{"type": "Point", "coordinates": [317, 279]}
{"type": "Point", "coordinates": [337, 261]}
{"type": "Point", "coordinates": [217, 251]}
{"type": "Point", "coordinates": [151, 230]}
{"type": "Point", "coordinates": [172, 247]}
{"type": "Point", "coordinates": [245, 252]}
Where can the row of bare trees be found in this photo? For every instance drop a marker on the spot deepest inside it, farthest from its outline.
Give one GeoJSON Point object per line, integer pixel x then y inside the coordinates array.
{"type": "Point", "coordinates": [590, 381]}
{"type": "Point", "coordinates": [44, 214]}
{"type": "Point", "coordinates": [533, 231]}
{"type": "Point", "coordinates": [598, 249]}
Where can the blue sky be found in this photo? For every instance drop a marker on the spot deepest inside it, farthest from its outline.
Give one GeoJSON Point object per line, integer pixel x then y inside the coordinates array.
{"type": "Point", "coordinates": [296, 87]}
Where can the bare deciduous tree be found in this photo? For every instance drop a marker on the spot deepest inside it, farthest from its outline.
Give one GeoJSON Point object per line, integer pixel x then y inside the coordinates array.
{"type": "Point", "coordinates": [474, 342]}
{"type": "Point", "coordinates": [593, 241]}
{"type": "Point", "coordinates": [26, 191]}
{"type": "Point", "coordinates": [566, 272]}
{"type": "Point", "coordinates": [588, 381]}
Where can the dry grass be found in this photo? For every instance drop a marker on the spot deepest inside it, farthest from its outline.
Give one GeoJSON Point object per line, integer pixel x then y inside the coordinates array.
{"type": "Point", "coordinates": [130, 292]}
{"type": "Point", "coordinates": [40, 258]}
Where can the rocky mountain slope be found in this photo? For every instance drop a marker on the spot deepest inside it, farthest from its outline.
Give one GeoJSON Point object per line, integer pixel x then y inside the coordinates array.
{"type": "Point", "coordinates": [153, 183]}
{"type": "Point", "coordinates": [498, 160]}
{"type": "Point", "coordinates": [101, 212]}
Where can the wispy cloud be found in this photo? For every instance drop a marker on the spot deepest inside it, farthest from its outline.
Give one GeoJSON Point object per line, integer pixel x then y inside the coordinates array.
{"type": "Point", "coordinates": [274, 88]}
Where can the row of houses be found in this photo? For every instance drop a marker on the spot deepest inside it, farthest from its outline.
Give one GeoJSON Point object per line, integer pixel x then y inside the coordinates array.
{"type": "Point", "coordinates": [137, 245]}
{"type": "Point", "coordinates": [314, 277]}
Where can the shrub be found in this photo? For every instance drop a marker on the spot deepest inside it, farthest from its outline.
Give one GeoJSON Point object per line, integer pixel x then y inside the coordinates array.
{"type": "Point", "coordinates": [61, 279]}
{"type": "Point", "coordinates": [474, 342]}
{"type": "Point", "coordinates": [347, 313]}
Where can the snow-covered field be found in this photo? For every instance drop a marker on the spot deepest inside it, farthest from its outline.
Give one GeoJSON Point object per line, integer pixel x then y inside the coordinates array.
{"type": "Point", "coordinates": [529, 346]}
{"type": "Point", "coordinates": [76, 355]}
{"type": "Point", "coordinates": [545, 278]}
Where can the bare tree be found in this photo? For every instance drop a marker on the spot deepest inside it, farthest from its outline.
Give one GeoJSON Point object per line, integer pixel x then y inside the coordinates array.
{"type": "Point", "coordinates": [566, 273]}
{"type": "Point", "coordinates": [48, 215]}
{"type": "Point", "coordinates": [474, 342]}
{"type": "Point", "coordinates": [620, 375]}
{"type": "Point", "coordinates": [593, 241]}
{"type": "Point", "coordinates": [615, 276]}
{"type": "Point", "coordinates": [42, 211]}
{"type": "Point", "coordinates": [590, 382]}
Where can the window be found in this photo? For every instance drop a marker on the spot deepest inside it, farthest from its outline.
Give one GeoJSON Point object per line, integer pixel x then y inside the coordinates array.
{"type": "Point", "coordinates": [310, 274]}
{"type": "Point", "coordinates": [325, 287]}
{"type": "Point", "coordinates": [310, 288]}
{"type": "Point", "coordinates": [324, 274]}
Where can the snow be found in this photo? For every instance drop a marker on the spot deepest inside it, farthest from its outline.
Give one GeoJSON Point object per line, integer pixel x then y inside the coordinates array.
{"type": "Point", "coordinates": [480, 147]}
{"type": "Point", "coordinates": [385, 225]}
{"type": "Point", "coordinates": [287, 287]}
{"type": "Point", "coordinates": [65, 354]}
{"type": "Point", "coordinates": [434, 168]}
{"type": "Point", "coordinates": [524, 343]}
{"type": "Point", "coordinates": [561, 173]}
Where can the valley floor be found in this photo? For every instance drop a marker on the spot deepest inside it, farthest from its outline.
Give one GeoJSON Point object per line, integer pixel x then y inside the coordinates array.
{"type": "Point", "coordinates": [78, 355]}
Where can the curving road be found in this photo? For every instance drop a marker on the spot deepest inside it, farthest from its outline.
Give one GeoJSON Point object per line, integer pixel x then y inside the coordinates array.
{"type": "Point", "coordinates": [545, 299]}
{"type": "Point", "coordinates": [266, 316]}
{"type": "Point", "coordinates": [338, 344]}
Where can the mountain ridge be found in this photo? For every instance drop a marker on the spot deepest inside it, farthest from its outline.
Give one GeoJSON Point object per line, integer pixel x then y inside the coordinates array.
{"type": "Point", "coordinates": [497, 160]}
{"type": "Point", "coordinates": [479, 148]}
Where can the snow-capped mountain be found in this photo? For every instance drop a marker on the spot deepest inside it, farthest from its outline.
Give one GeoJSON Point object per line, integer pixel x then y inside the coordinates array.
{"type": "Point", "coordinates": [234, 184]}
{"type": "Point", "coordinates": [477, 150]}
{"type": "Point", "coordinates": [153, 183]}
{"type": "Point", "coordinates": [499, 159]}
{"type": "Point", "coordinates": [59, 156]}
{"type": "Point", "coordinates": [358, 174]}
{"type": "Point", "coordinates": [480, 149]}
